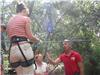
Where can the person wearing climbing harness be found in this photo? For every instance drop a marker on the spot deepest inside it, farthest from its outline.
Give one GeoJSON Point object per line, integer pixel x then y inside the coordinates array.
{"type": "Point", "coordinates": [21, 56]}
{"type": "Point", "coordinates": [42, 68]}
{"type": "Point", "coordinates": [73, 62]}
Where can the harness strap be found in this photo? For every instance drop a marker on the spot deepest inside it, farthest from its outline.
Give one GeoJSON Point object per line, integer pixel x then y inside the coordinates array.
{"type": "Point", "coordinates": [30, 62]}
{"type": "Point", "coordinates": [15, 64]}
{"type": "Point", "coordinates": [23, 63]}
{"type": "Point", "coordinates": [23, 54]}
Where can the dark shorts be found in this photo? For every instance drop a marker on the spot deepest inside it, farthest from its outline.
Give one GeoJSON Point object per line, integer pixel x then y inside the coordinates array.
{"type": "Point", "coordinates": [77, 73]}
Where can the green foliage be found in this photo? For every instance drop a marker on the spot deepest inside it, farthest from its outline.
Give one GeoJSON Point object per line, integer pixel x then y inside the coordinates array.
{"type": "Point", "coordinates": [79, 20]}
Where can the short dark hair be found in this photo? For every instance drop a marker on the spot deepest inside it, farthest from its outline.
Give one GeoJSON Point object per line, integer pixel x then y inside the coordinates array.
{"type": "Point", "coordinates": [20, 7]}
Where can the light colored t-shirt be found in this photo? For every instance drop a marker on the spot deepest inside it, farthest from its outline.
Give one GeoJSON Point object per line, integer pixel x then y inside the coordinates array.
{"type": "Point", "coordinates": [41, 69]}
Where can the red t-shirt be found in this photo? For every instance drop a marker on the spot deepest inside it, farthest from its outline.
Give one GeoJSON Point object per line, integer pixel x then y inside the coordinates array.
{"type": "Point", "coordinates": [71, 62]}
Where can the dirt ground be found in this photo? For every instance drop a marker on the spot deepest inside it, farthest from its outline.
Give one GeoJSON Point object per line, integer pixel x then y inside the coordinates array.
{"type": "Point", "coordinates": [56, 70]}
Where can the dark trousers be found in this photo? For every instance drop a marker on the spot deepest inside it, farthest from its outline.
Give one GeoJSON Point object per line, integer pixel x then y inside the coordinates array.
{"type": "Point", "coordinates": [76, 73]}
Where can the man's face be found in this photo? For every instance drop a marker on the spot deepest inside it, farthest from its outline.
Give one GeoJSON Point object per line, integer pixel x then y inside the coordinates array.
{"type": "Point", "coordinates": [66, 46]}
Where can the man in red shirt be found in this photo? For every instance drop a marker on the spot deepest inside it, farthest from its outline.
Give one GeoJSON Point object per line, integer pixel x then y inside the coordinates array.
{"type": "Point", "coordinates": [73, 63]}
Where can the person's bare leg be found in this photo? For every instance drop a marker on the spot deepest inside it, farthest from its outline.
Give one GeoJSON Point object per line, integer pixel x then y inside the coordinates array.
{"type": "Point", "coordinates": [25, 70]}
{"type": "Point", "coordinates": [28, 70]}
{"type": "Point", "coordinates": [19, 70]}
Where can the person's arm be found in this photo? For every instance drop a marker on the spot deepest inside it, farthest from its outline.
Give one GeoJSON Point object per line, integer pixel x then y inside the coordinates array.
{"type": "Point", "coordinates": [53, 61]}
{"type": "Point", "coordinates": [80, 64]}
{"type": "Point", "coordinates": [29, 32]}
{"type": "Point", "coordinates": [79, 61]}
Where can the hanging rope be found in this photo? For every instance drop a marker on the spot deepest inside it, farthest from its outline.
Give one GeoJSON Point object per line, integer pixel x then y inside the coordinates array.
{"type": "Point", "coordinates": [49, 25]}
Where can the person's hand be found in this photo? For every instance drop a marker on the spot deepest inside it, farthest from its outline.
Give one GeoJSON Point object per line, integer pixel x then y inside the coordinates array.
{"type": "Point", "coordinates": [40, 41]}
{"type": "Point", "coordinates": [48, 55]}
{"type": "Point", "coordinates": [37, 39]}
{"type": "Point", "coordinates": [36, 42]}
{"type": "Point", "coordinates": [30, 42]}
